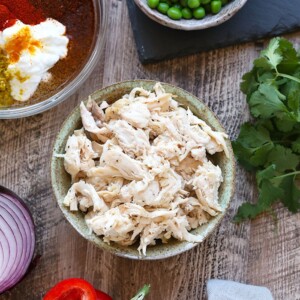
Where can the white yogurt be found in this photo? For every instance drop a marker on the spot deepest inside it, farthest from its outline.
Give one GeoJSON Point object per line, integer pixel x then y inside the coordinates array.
{"type": "Point", "coordinates": [47, 45]}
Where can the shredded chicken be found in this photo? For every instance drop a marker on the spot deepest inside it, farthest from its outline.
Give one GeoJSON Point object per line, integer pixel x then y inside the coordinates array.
{"type": "Point", "coordinates": [140, 169]}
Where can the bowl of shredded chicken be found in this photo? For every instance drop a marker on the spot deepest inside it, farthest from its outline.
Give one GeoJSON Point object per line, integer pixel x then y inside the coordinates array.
{"type": "Point", "coordinates": [143, 169]}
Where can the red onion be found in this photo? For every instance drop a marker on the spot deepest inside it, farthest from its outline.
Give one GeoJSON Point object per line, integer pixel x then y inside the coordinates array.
{"type": "Point", "coordinates": [17, 239]}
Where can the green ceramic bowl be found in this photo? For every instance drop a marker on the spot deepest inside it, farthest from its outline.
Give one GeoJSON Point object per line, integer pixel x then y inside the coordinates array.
{"type": "Point", "coordinates": [61, 181]}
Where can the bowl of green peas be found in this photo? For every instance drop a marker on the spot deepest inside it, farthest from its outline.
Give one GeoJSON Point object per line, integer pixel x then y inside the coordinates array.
{"type": "Point", "coordinates": [190, 14]}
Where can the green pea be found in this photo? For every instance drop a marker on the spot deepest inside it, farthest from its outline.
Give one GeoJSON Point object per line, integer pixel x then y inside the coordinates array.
{"type": "Point", "coordinates": [183, 3]}
{"type": "Point", "coordinates": [163, 8]}
{"type": "Point", "coordinates": [205, 1]}
{"type": "Point", "coordinates": [187, 13]}
{"type": "Point", "coordinates": [153, 3]}
{"type": "Point", "coordinates": [193, 3]}
{"type": "Point", "coordinates": [174, 13]}
{"type": "Point", "coordinates": [216, 6]}
{"type": "Point", "coordinates": [199, 13]}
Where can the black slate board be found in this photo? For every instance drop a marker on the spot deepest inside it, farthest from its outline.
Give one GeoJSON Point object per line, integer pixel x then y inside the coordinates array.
{"type": "Point", "coordinates": [257, 19]}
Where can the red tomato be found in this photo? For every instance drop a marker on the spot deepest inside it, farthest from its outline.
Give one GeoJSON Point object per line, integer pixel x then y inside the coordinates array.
{"type": "Point", "coordinates": [102, 296]}
{"type": "Point", "coordinates": [72, 289]}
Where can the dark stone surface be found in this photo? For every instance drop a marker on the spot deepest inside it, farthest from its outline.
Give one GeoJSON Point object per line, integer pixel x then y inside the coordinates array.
{"type": "Point", "coordinates": [257, 19]}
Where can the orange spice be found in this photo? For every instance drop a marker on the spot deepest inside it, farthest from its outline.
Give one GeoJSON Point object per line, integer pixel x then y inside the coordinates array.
{"type": "Point", "coordinates": [21, 41]}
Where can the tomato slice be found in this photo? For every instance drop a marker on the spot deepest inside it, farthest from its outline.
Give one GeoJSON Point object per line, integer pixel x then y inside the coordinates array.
{"type": "Point", "coordinates": [102, 296]}
{"type": "Point", "coordinates": [72, 289]}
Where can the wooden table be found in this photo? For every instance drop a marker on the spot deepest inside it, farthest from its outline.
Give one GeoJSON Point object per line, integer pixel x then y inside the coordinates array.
{"type": "Point", "coordinates": [257, 252]}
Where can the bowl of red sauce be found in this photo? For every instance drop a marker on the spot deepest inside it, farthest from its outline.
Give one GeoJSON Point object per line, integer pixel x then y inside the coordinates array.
{"type": "Point", "coordinates": [48, 48]}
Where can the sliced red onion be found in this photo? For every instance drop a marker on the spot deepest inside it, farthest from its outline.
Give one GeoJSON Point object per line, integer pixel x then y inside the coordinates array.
{"type": "Point", "coordinates": [17, 239]}
{"type": "Point", "coordinates": [19, 234]}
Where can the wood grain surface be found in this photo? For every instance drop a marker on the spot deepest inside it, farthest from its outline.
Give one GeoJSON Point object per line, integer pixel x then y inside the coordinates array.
{"type": "Point", "coordinates": [256, 252]}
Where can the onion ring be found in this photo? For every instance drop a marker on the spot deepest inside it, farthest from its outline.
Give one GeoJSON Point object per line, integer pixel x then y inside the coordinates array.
{"type": "Point", "coordinates": [17, 239]}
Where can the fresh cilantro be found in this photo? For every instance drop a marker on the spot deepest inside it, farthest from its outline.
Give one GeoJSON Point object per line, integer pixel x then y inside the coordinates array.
{"type": "Point", "coordinates": [288, 183]}
{"type": "Point", "coordinates": [296, 145]}
{"type": "Point", "coordinates": [265, 102]}
{"type": "Point", "coordinates": [252, 146]}
{"type": "Point", "coordinates": [284, 124]}
{"type": "Point", "coordinates": [294, 104]}
{"type": "Point", "coordinates": [268, 194]}
{"type": "Point", "coordinates": [283, 158]}
{"type": "Point", "coordinates": [270, 146]}
{"type": "Point", "coordinates": [249, 84]}
{"type": "Point", "coordinates": [272, 54]}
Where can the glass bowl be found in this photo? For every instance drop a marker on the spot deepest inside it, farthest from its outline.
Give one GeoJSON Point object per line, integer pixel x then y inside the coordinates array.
{"type": "Point", "coordinates": [77, 81]}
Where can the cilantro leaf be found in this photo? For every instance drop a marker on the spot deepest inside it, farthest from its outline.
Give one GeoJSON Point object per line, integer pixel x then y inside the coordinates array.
{"type": "Point", "coordinates": [247, 211]}
{"type": "Point", "coordinates": [294, 103]}
{"type": "Point", "coordinates": [252, 146]}
{"type": "Point", "coordinates": [291, 197]}
{"type": "Point", "coordinates": [291, 186]}
{"type": "Point", "coordinates": [263, 63]}
{"type": "Point", "coordinates": [265, 103]}
{"type": "Point", "coordinates": [253, 136]}
{"type": "Point", "coordinates": [267, 173]}
{"type": "Point", "coordinates": [290, 60]}
{"type": "Point", "coordinates": [296, 145]}
{"type": "Point", "coordinates": [285, 124]}
{"type": "Point", "coordinates": [291, 85]}
{"type": "Point", "coordinates": [268, 194]}
{"type": "Point", "coordinates": [249, 83]}
{"type": "Point", "coordinates": [283, 158]}
{"type": "Point", "coordinates": [271, 53]}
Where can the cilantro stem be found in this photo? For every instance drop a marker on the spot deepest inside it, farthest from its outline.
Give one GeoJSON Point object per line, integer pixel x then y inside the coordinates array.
{"type": "Point", "coordinates": [287, 175]}
{"type": "Point", "coordinates": [288, 76]}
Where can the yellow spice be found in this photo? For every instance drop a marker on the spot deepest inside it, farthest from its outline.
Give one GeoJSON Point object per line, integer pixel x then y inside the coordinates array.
{"type": "Point", "coordinates": [5, 88]}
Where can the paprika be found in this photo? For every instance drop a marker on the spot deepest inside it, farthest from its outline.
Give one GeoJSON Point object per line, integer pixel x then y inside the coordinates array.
{"type": "Point", "coordinates": [23, 10]}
